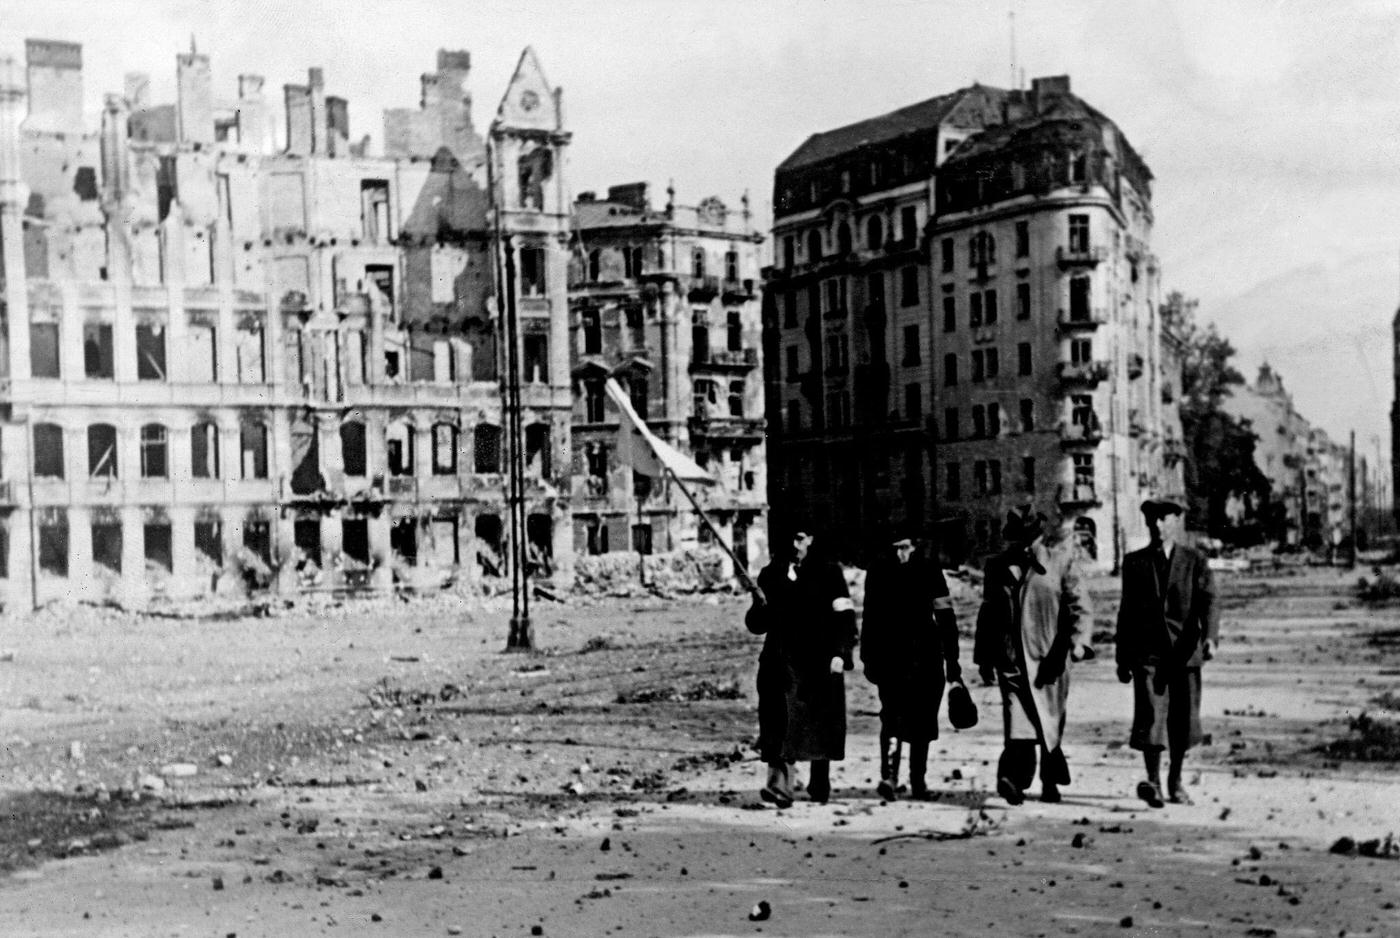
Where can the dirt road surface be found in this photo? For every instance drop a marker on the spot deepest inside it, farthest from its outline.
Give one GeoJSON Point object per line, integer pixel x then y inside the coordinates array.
{"type": "Point", "coordinates": [380, 768]}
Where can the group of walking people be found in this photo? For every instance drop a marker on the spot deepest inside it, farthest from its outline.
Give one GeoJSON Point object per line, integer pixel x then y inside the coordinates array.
{"type": "Point", "coordinates": [1034, 622]}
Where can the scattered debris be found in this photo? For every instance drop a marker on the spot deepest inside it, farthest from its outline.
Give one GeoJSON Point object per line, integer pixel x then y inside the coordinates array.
{"type": "Point", "coordinates": [761, 912]}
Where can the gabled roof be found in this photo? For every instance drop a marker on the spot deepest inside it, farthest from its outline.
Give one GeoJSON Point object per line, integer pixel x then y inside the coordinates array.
{"type": "Point", "coordinates": [925, 115]}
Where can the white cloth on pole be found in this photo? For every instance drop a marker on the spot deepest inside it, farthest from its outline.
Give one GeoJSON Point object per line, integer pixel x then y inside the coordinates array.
{"type": "Point", "coordinates": [646, 452]}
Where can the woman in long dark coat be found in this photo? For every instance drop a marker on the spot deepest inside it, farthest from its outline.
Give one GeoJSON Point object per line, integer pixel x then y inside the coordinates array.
{"type": "Point", "coordinates": [908, 642]}
{"type": "Point", "coordinates": [806, 615]}
{"type": "Point", "coordinates": [1035, 619]}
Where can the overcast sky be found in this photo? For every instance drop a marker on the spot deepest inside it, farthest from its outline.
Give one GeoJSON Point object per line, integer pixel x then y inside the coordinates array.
{"type": "Point", "coordinates": [1271, 125]}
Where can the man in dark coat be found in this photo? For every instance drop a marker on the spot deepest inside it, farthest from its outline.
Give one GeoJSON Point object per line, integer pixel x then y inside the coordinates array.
{"type": "Point", "coordinates": [1168, 624]}
{"type": "Point", "coordinates": [908, 642]}
{"type": "Point", "coordinates": [1034, 620]}
{"type": "Point", "coordinates": [805, 613]}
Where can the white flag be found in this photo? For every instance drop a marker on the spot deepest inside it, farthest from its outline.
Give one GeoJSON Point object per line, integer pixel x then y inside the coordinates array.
{"type": "Point", "coordinates": [644, 451]}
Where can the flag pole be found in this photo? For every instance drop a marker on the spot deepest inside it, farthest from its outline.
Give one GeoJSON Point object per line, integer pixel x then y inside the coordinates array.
{"type": "Point", "coordinates": [739, 568]}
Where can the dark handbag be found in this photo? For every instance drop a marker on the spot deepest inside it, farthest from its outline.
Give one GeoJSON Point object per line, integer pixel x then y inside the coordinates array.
{"type": "Point", "coordinates": [962, 712]}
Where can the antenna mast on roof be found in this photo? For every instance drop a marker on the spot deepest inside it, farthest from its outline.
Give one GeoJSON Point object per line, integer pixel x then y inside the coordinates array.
{"type": "Point", "coordinates": [1011, 26]}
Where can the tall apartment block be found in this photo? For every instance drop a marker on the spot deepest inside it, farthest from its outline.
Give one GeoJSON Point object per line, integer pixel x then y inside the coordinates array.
{"type": "Point", "coordinates": [964, 318]}
{"type": "Point", "coordinates": [231, 367]}
{"type": "Point", "coordinates": [666, 302]}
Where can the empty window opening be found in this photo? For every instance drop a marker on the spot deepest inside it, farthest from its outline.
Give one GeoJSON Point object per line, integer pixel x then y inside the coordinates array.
{"type": "Point", "coordinates": [250, 354]}
{"type": "Point", "coordinates": [403, 540]}
{"type": "Point", "coordinates": [306, 536]}
{"type": "Point", "coordinates": [537, 358]}
{"type": "Point", "coordinates": [102, 451]}
{"type": "Point", "coordinates": [736, 398]}
{"type": "Point", "coordinates": [257, 539]}
{"type": "Point", "coordinates": [97, 350]}
{"type": "Point", "coordinates": [252, 444]}
{"type": "Point", "coordinates": [354, 539]}
{"type": "Point", "coordinates": [204, 451]}
{"type": "Point", "coordinates": [699, 336]}
{"type": "Point", "coordinates": [107, 545]}
{"type": "Point", "coordinates": [398, 445]}
{"type": "Point", "coordinates": [374, 211]}
{"type": "Point", "coordinates": [490, 544]}
{"type": "Point", "coordinates": [641, 538]}
{"type": "Point", "coordinates": [735, 330]}
{"type": "Point", "coordinates": [731, 266]}
{"type": "Point", "coordinates": [486, 448]}
{"type": "Point", "coordinates": [537, 454]}
{"type": "Point", "coordinates": [539, 544]}
{"type": "Point", "coordinates": [43, 350]}
{"type": "Point", "coordinates": [1079, 299]}
{"type": "Point", "coordinates": [306, 458]}
{"type": "Point", "coordinates": [534, 170]}
{"type": "Point", "coordinates": [596, 459]}
{"type": "Point", "coordinates": [532, 272]}
{"type": "Point", "coordinates": [150, 352]}
{"type": "Point", "coordinates": [697, 263]}
{"type": "Point", "coordinates": [48, 451]}
{"type": "Point", "coordinates": [156, 545]}
{"type": "Point", "coordinates": [379, 284]}
{"type": "Point", "coordinates": [53, 547]}
{"type": "Point", "coordinates": [444, 449]}
{"type": "Point", "coordinates": [154, 447]}
{"type": "Point", "coordinates": [203, 360]}
{"type": "Point", "coordinates": [592, 332]}
{"type": "Point", "coordinates": [593, 401]}
{"type": "Point", "coordinates": [352, 448]}
{"type": "Point", "coordinates": [209, 541]}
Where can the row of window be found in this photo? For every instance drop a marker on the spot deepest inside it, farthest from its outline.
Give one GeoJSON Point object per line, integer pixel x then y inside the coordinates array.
{"type": "Point", "coordinates": [400, 444]}
{"type": "Point", "coordinates": [875, 237]}
{"type": "Point", "coordinates": [633, 263]}
{"type": "Point", "coordinates": [198, 351]}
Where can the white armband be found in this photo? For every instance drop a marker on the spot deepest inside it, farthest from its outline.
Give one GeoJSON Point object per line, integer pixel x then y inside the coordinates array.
{"type": "Point", "coordinates": [842, 604]}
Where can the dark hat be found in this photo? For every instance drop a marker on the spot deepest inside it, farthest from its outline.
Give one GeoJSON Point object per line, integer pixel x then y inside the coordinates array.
{"type": "Point", "coordinates": [962, 712]}
{"type": "Point", "coordinates": [903, 531]}
{"type": "Point", "coordinates": [1170, 504]}
{"type": "Point", "coordinates": [1023, 525]}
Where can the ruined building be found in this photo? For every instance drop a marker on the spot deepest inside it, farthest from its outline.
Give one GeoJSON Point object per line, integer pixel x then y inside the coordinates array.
{"type": "Point", "coordinates": [666, 301]}
{"type": "Point", "coordinates": [230, 366]}
{"type": "Point", "coordinates": [964, 318]}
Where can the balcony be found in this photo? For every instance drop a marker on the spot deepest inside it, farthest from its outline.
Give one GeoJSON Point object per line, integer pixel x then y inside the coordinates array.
{"type": "Point", "coordinates": [738, 290]}
{"type": "Point", "coordinates": [1090, 372]}
{"type": "Point", "coordinates": [717, 427]}
{"type": "Point", "coordinates": [744, 359]}
{"type": "Point", "coordinates": [1137, 424]}
{"type": "Point", "coordinates": [704, 289]}
{"type": "Point", "coordinates": [1073, 435]}
{"type": "Point", "coordinates": [1083, 495]}
{"type": "Point", "coordinates": [1080, 257]}
{"type": "Point", "coordinates": [1083, 322]}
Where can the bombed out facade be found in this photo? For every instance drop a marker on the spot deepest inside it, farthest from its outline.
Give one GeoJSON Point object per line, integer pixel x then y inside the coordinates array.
{"type": "Point", "coordinates": [231, 366]}
{"type": "Point", "coordinates": [666, 301]}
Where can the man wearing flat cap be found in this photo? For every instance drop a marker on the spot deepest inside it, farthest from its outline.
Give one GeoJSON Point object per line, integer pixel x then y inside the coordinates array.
{"type": "Point", "coordinates": [1168, 624]}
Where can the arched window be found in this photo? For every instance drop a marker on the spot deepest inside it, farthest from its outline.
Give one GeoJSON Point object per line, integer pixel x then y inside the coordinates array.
{"type": "Point", "coordinates": [874, 233]}
{"type": "Point", "coordinates": [814, 245]}
{"type": "Point", "coordinates": [252, 446]}
{"type": "Point", "coordinates": [537, 450]}
{"type": "Point", "coordinates": [697, 262]}
{"type": "Point", "coordinates": [204, 451]}
{"type": "Point", "coordinates": [399, 448]}
{"type": "Point", "coordinates": [444, 449]}
{"type": "Point", "coordinates": [486, 446]}
{"type": "Point", "coordinates": [102, 451]}
{"type": "Point", "coordinates": [353, 449]}
{"type": "Point", "coordinates": [48, 451]}
{"type": "Point", "coordinates": [154, 446]}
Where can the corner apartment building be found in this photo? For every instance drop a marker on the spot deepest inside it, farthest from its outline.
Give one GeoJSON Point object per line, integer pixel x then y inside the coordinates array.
{"type": "Point", "coordinates": [848, 347]}
{"type": "Point", "coordinates": [229, 366]}
{"type": "Point", "coordinates": [963, 318]}
{"type": "Point", "coordinates": [1052, 385]}
{"type": "Point", "coordinates": [666, 301]}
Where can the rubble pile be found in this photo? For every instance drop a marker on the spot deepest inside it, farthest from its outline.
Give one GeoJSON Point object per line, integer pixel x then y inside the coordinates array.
{"type": "Point", "coordinates": [676, 572]}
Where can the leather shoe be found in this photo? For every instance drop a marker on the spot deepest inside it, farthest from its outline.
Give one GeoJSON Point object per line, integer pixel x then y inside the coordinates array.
{"type": "Point", "coordinates": [1009, 790]}
{"type": "Point", "coordinates": [886, 790]}
{"type": "Point", "coordinates": [1178, 795]}
{"type": "Point", "coordinates": [773, 796]}
{"type": "Point", "coordinates": [1149, 793]}
{"type": "Point", "coordinates": [1050, 793]}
